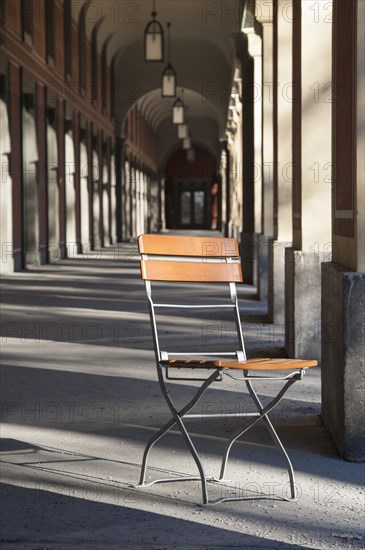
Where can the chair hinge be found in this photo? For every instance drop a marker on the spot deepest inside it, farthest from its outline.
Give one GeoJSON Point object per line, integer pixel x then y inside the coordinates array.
{"type": "Point", "coordinates": [240, 356]}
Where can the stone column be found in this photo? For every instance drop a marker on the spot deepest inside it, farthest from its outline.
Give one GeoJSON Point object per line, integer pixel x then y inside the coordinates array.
{"type": "Point", "coordinates": [162, 178]}
{"type": "Point", "coordinates": [15, 84]}
{"type": "Point", "coordinates": [90, 183]}
{"type": "Point", "coordinates": [60, 125]}
{"type": "Point", "coordinates": [282, 93]}
{"type": "Point", "coordinates": [119, 184]}
{"type": "Point", "coordinates": [76, 134]}
{"type": "Point", "coordinates": [132, 196]}
{"type": "Point", "coordinates": [253, 30]}
{"type": "Point", "coordinates": [264, 14]}
{"type": "Point", "coordinates": [6, 184]}
{"type": "Point", "coordinates": [102, 221]}
{"type": "Point", "coordinates": [30, 163]}
{"type": "Point", "coordinates": [41, 101]}
{"type": "Point", "coordinates": [343, 279]}
{"type": "Point", "coordinates": [231, 173]}
{"type": "Point", "coordinates": [111, 200]}
{"type": "Point", "coordinates": [84, 168]}
{"type": "Point", "coordinates": [96, 174]}
{"type": "Point", "coordinates": [248, 168]}
{"type": "Point", "coordinates": [235, 146]}
{"type": "Point", "coordinates": [159, 218]}
{"type": "Point", "coordinates": [225, 167]}
{"type": "Point", "coordinates": [312, 89]}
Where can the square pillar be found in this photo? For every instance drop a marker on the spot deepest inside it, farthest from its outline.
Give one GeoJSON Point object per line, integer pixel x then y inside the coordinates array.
{"type": "Point", "coordinates": [6, 203]}
{"type": "Point", "coordinates": [41, 101]}
{"type": "Point", "coordinates": [90, 181]}
{"type": "Point", "coordinates": [61, 175]}
{"type": "Point", "coordinates": [283, 161]}
{"type": "Point", "coordinates": [343, 279]}
{"type": "Point", "coordinates": [77, 182]}
{"type": "Point", "coordinates": [246, 109]}
{"type": "Point", "coordinates": [343, 365]}
{"type": "Point", "coordinates": [311, 150]}
{"type": "Point", "coordinates": [264, 14]}
{"type": "Point", "coordinates": [253, 30]}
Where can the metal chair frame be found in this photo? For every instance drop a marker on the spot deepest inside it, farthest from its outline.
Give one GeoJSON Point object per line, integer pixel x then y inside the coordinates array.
{"type": "Point", "coordinates": [164, 364]}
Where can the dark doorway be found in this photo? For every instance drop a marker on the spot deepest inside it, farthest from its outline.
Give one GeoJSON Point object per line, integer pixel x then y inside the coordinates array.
{"type": "Point", "coordinates": [188, 190]}
{"type": "Point", "coordinates": [191, 201]}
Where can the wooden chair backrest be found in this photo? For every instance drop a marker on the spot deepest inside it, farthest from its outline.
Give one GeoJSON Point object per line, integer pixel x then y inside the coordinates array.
{"type": "Point", "coordinates": [219, 259]}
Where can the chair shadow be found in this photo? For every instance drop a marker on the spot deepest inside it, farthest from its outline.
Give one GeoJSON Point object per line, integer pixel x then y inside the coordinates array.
{"type": "Point", "coordinates": [41, 517]}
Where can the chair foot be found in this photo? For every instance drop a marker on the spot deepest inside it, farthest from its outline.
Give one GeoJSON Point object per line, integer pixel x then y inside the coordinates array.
{"type": "Point", "coordinates": [220, 480]}
{"type": "Point", "coordinates": [136, 485]}
{"type": "Point", "coordinates": [241, 499]}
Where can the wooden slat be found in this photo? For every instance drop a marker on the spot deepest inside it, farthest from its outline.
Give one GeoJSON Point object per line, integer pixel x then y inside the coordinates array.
{"type": "Point", "coordinates": [168, 245]}
{"type": "Point", "coordinates": [154, 270]}
{"type": "Point", "coordinates": [250, 364]}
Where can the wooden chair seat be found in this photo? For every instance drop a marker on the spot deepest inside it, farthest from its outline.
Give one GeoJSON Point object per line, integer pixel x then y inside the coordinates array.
{"type": "Point", "coordinates": [256, 364]}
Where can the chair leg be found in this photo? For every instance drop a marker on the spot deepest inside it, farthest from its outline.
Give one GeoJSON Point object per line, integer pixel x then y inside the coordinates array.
{"type": "Point", "coordinates": [177, 419]}
{"type": "Point", "coordinates": [149, 446]}
{"type": "Point", "coordinates": [274, 434]}
{"type": "Point", "coordinates": [262, 415]}
{"type": "Point", "coordinates": [196, 458]}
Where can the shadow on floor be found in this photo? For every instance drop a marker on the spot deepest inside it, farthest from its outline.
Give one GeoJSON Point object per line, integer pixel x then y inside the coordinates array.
{"type": "Point", "coordinates": [71, 521]}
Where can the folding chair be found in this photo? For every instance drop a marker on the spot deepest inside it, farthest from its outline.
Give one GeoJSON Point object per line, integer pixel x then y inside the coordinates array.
{"type": "Point", "coordinates": [208, 260]}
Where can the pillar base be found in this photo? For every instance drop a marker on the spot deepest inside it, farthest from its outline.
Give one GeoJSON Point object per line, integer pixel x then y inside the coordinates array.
{"type": "Point", "coordinates": [303, 303]}
{"type": "Point", "coordinates": [343, 363]}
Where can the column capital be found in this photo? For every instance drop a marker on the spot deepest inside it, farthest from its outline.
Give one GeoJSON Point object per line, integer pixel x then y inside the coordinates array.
{"type": "Point", "coordinates": [254, 43]}
{"type": "Point", "coordinates": [264, 11]}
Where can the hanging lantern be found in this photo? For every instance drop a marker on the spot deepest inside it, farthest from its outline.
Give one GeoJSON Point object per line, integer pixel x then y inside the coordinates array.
{"type": "Point", "coordinates": [190, 155]}
{"type": "Point", "coordinates": [168, 84]}
{"type": "Point", "coordinates": [178, 112]}
{"type": "Point", "coordinates": [168, 77]}
{"type": "Point", "coordinates": [153, 39]}
{"type": "Point", "coordinates": [182, 131]}
{"type": "Point", "coordinates": [187, 143]}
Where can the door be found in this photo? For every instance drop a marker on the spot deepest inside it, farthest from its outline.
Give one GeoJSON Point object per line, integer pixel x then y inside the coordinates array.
{"type": "Point", "coordinates": [191, 202]}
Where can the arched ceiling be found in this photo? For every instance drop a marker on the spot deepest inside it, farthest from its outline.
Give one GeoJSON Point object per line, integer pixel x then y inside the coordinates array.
{"type": "Point", "coordinates": [155, 110]}
{"type": "Point", "coordinates": [202, 53]}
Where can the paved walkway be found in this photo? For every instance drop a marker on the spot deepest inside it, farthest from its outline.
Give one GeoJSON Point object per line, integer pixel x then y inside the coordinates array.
{"type": "Point", "coordinates": [80, 399]}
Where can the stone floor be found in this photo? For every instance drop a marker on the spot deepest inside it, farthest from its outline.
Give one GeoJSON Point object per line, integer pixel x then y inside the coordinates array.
{"type": "Point", "coordinates": [80, 399]}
